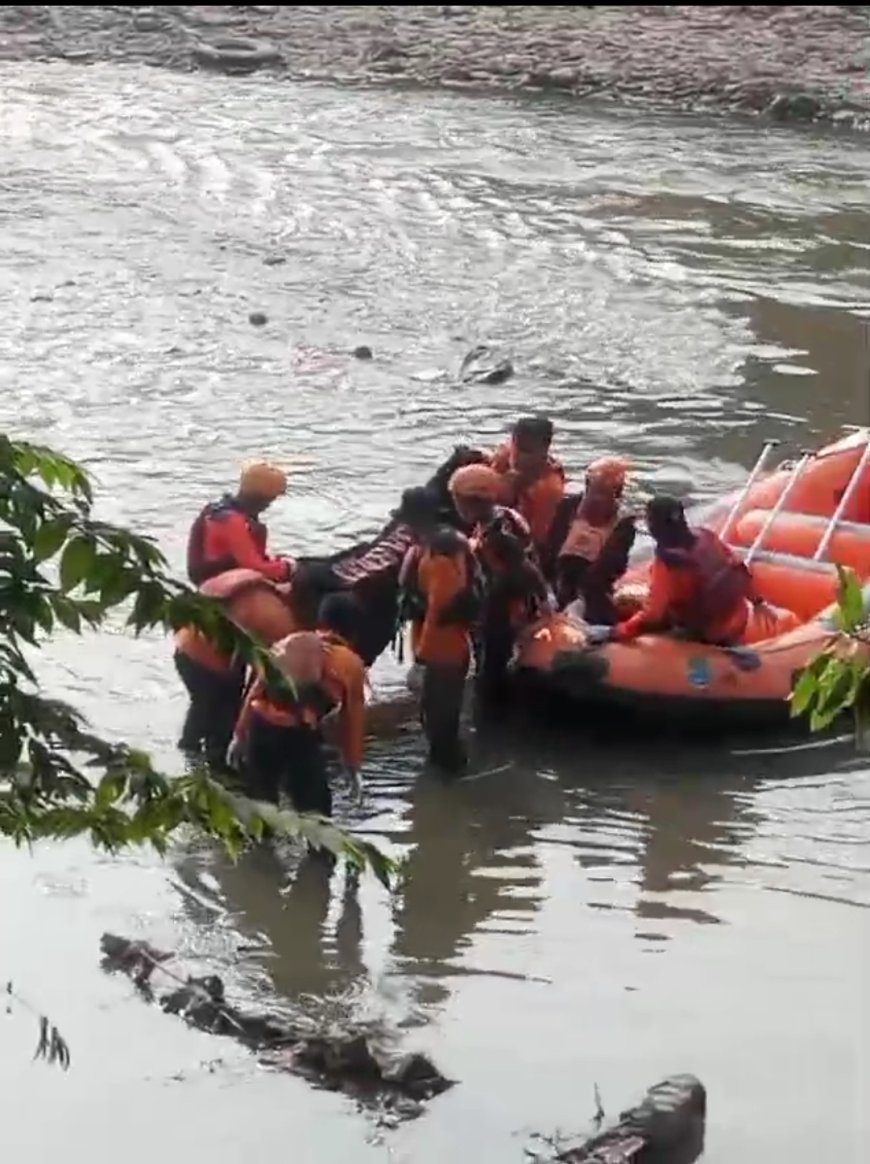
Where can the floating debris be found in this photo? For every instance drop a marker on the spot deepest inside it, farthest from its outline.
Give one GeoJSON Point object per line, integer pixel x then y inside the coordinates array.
{"type": "Point", "coordinates": [347, 1062]}
{"type": "Point", "coordinates": [666, 1127]}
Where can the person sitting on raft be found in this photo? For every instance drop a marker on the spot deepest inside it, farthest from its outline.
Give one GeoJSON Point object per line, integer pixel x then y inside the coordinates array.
{"type": "Point", "coordinates": [278, 739]}
{"type": "Point", "coordinates": [516, 592]}
{"type": "Point", "coordinates": [228, 535]}
{"type": "Point", "coordinates": [697, 587]}
{"type": "Point", "coordinates": [591, 554]}
{"type": "Point", "coordinates": [533, 480]}
{"type": "Point", "coordinates": [442, 597]}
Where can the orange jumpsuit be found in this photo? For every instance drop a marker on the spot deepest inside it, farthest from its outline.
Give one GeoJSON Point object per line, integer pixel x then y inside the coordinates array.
{"type": "Point", "coordinates": [282, 734]}
{"type": "Point", "coordinates": [442, 642]}
{"type": "Point", "coordinates": [672, 590]}
{"type": "Point", "coordinates": [535, 500]}
{"type": "Point", "coordinates": [444, 592]}
{"type": "Point", "coordinates": [214, 685]}
{"type": "Point", "coordinates": [224, 537]}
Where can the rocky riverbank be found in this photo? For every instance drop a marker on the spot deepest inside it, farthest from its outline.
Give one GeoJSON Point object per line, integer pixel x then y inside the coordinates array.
{"type": "Point", "coordinates": [800, 63]}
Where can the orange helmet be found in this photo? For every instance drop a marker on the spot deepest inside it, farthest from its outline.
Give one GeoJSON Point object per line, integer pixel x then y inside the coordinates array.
{"type": "Point", "coordinates": [263, 480]}
{"type": "Point", "coordinates": [300, 657]}
{"type": "Point", "coordinates": [608, 472]}
{"type": "Point", "coordinates": [477, 481]}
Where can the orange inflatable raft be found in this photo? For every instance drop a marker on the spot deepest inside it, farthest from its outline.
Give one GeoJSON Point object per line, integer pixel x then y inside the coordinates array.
{"type": "Point", "coordinates": [791, 526]}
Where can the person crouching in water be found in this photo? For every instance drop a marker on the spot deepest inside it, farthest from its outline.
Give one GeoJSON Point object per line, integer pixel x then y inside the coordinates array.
{"type": "Point", "coordinates": [697, 588]}
{"type": "Point", "coordinates": [215, 686]}
{"type": "Point", "coordinates": [594, 550]}
{"type": "Point", "coordinates": [515, 590]}
{"type": "Point", "coordinates": [278, 736]}
{"type": "Point", "coordinates": [441, 595]}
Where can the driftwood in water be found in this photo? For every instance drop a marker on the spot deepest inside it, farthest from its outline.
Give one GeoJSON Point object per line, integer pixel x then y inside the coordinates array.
{"type": "Point", "coordinates": [340, 1062]}
{"type": "Point", "coordinates": [666, 1127]}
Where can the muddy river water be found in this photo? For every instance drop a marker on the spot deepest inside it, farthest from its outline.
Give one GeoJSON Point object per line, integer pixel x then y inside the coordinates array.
{"type": "Point", "coordinates": [591, 915]}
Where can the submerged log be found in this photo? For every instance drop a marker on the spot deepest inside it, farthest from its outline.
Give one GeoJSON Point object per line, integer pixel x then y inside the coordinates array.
{"type": "Point", "coordinates": [348, 1062]}
{"type": "Point", "coordinates": [666, 1127]}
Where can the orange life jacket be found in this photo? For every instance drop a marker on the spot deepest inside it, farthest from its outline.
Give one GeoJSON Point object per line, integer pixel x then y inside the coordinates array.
{"type": "Point", "coordinates": [536, 498]}
{"type": "Point", "coordinates": [219, 531]}
{"type": "Point", "coordinates": [722, 586]}
{"type": "Point", "coordinates": [585, 540]}
{"type": "Point", "coordinates": [305, 699]}
{"type": "Point", "coordinates": [190, 641]}
{"type": "Point", "coordinates": [465, 607]}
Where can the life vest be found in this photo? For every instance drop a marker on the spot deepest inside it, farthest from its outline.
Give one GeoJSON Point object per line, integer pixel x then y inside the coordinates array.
{"type": "Point", "coordinates": [465, 607]}
{"type": "Point", "coordinates": [723, 585]}
{"type": "Point", "coordinates": [604, 547]}
{"type": "Point", "coordinates": [585, 540]}
{"type": "Point", "coordinates": [502, 461]}
{"type": "Point", "coordinates": [304, 700]}
{"type": "Point", "coordinates": [200, 568]}
{"type": "Point", "coordinates": [371, 559]}
{"type": "Point", "coordinates": [191, 641]}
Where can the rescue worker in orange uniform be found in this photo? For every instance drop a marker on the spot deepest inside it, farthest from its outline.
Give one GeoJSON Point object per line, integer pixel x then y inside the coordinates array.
{"type": "Point", "coordinates": [697, 587]}
{"type": "Point", "coordinates": [278, 737]}
{"type": "Point", "coordinates": [595, 539]}
{"type": "Point", "coordinates": [515, 590]}
{"type": "Point", "coordinates": [214, 683]}
{"type": "Point", "coordinates": [442, 595]}
{"type": "Point", "coordinates": [229, 535]}
{"type": "Point", "coordinates": [534, 481]}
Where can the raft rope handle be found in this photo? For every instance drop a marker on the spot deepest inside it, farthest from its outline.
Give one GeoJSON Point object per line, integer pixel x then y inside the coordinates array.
{"type": "Point", "coordinates": [848, 493]}
{"type": "Point", "coordinates": [796, 473]}
{"type": "Point", "coordinates": [757, 470]}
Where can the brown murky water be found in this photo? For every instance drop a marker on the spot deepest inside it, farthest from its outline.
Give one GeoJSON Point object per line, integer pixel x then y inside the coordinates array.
{"type": "Point", "coordinates": [673, 289]}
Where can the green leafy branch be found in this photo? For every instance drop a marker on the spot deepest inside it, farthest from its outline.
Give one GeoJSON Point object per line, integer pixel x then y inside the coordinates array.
{"type": "Point", "coordinates": [837, 680]}
{"type": "Point", "coordinates": [61, 567]}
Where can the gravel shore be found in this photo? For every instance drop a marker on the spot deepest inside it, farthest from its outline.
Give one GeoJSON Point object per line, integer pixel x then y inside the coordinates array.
{"type": "Point", "coordinates": [797, 63]}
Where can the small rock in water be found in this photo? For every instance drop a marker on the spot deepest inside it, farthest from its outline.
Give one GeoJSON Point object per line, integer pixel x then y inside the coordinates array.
{"type": "Point", "coordinates": [797, 107]}
{"type": "Point", "coordinates": [274, 260]}
{"type": "Point", "coordinates": [258, 319]}
{"type": "Point", "coordinates": [483, 366]}
{"type": "Point", "coordinates": [363, 352]}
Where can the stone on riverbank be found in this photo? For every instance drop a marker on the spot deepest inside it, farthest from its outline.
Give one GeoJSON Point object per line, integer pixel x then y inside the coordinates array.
{"type": "Point", "coordinates": [793, 62]}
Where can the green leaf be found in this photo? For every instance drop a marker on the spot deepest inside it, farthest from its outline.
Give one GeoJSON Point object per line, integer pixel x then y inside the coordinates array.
{"type": "Point", "coordinates": [111, 789]}
{"type": "Point", "coordinates": [49, 538]}
{"type": "Point", "coordinates": [850, 601]}
{"type": "Point", "coordinates": [833, 695]}
{"type": "Point", "coordinates": [76, 563]}
{"type": "Point", "coordinates": [804, 692]}
{"type": "Point", "coordinates": [66, 612]}
{"type": "Point", "coordinates": [43, 615]}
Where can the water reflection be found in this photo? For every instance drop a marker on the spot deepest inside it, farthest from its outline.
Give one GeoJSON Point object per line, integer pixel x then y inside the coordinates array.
{"type": "Point", "coordinates": [298, 925]}
{"type": "Point", "coordinates": [473, 867]}
{"type": "Point", "coordinates": [657, 844]}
